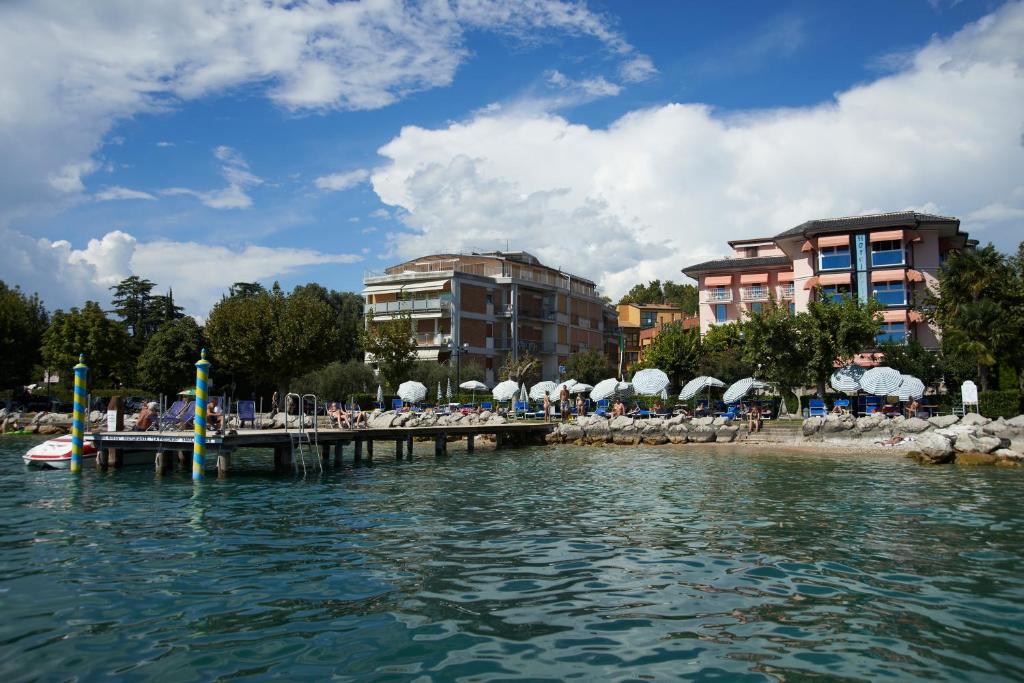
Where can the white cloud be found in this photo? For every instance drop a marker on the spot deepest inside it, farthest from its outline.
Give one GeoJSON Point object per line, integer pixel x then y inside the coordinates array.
{"type": "Point", "coordinates": [637, 69]}
{"type": "Point", "coordinates": [368, 231]}
{"type": "Point", "coordinates": [118, 192]}
{"type": "Point", "coordinates": [165, 143]}
{"type": "Point", "coordinates": [68, 72]}
{"type": "Point", "coordinates": [665, 187]}
{"type": "Point", "coordinates": [381, 213]}
{"type": "Point", "coordinates": [198, 273]}
{"type": "Point", "coordinates": [336, 182]}
{"type": "Point", "coordinates": [235, 172]}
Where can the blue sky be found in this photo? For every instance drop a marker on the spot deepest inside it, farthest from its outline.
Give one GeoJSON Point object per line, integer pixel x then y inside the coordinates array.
{"type": "Point", "coordinates": [618, 140]}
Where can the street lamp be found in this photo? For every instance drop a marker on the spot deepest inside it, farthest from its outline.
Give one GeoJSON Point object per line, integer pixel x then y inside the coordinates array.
{"type": "Point", "coordinates": [457, 351]}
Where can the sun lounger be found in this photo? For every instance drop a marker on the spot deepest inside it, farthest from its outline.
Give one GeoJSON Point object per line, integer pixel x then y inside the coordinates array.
{"type": "Point", "coordinates": [246, 413]}
{"type": "Point", "coordinates": [816, 408]}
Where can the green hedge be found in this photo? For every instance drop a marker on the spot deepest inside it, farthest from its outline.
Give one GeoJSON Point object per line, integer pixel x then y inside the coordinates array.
{"type": "Point", "coordinates": [999, 403]}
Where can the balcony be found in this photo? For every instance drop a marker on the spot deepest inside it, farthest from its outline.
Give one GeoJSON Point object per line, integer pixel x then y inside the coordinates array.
{"type": "Point", "coordinates": [503, 310]}
{"type": "Point", "coordinates": [787, 291]}
{"type": "Point", "coordinates": [537, 314]}
{"type": "Point", "coordinates": [536, 346]}
{"type": "Point", "coordinates": [428, 339]}
{"type": "Point", "coordinates": [755, 293]}
{"type": "Point", "coordinates": [717, 296]}
{"type": "Point", "coordinates": [412, 306]}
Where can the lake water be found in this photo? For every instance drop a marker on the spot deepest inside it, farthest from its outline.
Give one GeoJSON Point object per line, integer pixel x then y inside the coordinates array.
{"type": "Point", "coordinates": [556, 563]}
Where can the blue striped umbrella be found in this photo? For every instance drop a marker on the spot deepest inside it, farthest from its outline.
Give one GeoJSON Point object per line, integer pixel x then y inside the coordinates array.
{"type": "Point", "coordinates": [847, 378]}
{"type": "Point", "coordinates": [650, 382]}
{"type": "Point", "coordinates": [911, 387]}
{"type": "Point", "coordinates": [697, 385]}
{"type": "Point", "coordinates": [881, 381]}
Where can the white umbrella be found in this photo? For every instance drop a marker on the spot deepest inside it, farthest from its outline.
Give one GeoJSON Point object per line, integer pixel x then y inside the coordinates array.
{"type": "Point", "coordinates": [623, 389]}
{"type": "Point", "coordinates": [697, 385]}
{"type": "Point", "coordinates": [474, 386]}
{"type": "Point", "coordinates": [380, 396]}
{"type": "Point", "coordinates": [568, 384]}
{"type": "Point", "coordinates": [650, 382]}
{"type": "Point", "coordinates": [537, 390]}
{"type": "Point", "coordinates": [741, 388]}
{"type": "Point", "coordinates": [412, 392]}
{"type": "Point", "coordinates": [581, 388]}
{"type": "Point", "coordinates": [911, 387]}
{"type": "Point", "coordinates": [505, 390]}
{"type": "Point", "coordinates": [604, 389]}
{"type": "Point", "coordinates": [847, 378]}
{"type": "Point", "coordinates": [881, 381]}
{"type": "Point", "coordinates": [448, 391]}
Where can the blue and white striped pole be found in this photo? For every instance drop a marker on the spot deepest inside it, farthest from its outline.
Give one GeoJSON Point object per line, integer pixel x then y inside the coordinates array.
{"type": "Point", "coordinates": [199, 440]}
{"type": "Point", "coordinates": [78, 418]}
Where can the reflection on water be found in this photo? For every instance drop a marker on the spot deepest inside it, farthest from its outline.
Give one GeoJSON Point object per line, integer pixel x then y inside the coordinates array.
{"type": "Point", "coordinates": [557, 563]}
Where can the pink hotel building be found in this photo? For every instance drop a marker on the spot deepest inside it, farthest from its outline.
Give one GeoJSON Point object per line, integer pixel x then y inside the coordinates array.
{"type": "Point", "coordinates": [892, 257]}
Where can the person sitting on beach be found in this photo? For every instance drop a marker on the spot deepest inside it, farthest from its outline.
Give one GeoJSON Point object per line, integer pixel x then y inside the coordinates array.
{"type": "Point", "coordinates": [619, 409]}
{"type": "Point", "coordinates": [335, 413]}
{"type": "Point", "coordinates": [754, 419]}
{"type": "Point", "coordinates": [912, 408]}
{"type": "Point", "coordinates": [357, 417]}
{"type": "Point", "coordinates": [147, 416]}
{"type": "Point", "coordinates": [701, 410]}
{"type": "Point", "coordinates": [214, 415]}
{"type": "Point", "coordinates": [681, 411]}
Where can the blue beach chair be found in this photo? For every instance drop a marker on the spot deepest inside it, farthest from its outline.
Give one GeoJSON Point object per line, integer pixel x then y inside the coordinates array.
{"type": "Point", "coordinates": [396, 404]}
{"type": "Point", "coordinates": [486, 405]}
{"type": "Point", "coordinates": [185, 417]}
{"type": "Point", "coordinates": [602, 407]}
{"type": "Point", "coordinates": [246, 413]}
{"type": "Point", "coordinates": [171, 414]}
{"type": "Point", "coordinates": [817, 408]}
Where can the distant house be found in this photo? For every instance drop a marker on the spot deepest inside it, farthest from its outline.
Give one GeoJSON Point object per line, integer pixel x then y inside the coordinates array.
{"type": "Point", "coordinates": [639, 324]}
{"type": "Point", "coordinates": [893, 257]}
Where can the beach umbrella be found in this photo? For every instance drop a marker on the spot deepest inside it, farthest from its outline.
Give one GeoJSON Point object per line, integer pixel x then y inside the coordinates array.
{"type": "Point", "coordinates": [380, 396]}
{"type": "Point", "coordinates": [697, 385]}
{"type": "Point", "coordinates": [568, 384]}
{"type": "Point", "coordinates": [523, 395]}
{"type": "Point", "coordinates": [650, 382]}
{"type": "Point", "coordinates": [439, 396]}
{"type": "Point", "coordinates": [623, 389]}
{"type": "Point", "coordinates": [741, 388]}
{"type": "Point", "coordinates": [538, 389]}
{"type": "Point", "coordinates": [448, 391]}
{"type": "Point", "coordinates": [881, 381]}
{"type": "Point", "coordinates": [847, 378]}
{"type": "Point", "coordinates": [504, 391]}
{"type": "Point", "coordinates": [910, 388]}
{"type": "Point", "coordinates": [474, 386]}
{"type": "Point", "coordinates": [604, 389]}
{"type": "Point", "coordinates": [187, 392]}
{"type": "Point", "coordinates": [581, 388]}
{"type": "Point", "coordinates": [412, 392]}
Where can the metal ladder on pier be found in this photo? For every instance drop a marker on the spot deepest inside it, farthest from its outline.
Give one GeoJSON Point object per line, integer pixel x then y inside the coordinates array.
{"type": "Point", "coordinates": [300, 439]}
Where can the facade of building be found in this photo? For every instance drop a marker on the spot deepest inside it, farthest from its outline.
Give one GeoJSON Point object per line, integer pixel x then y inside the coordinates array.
{"type": "Point", "coordinates": [639, 324]}
{"type": "Point", "coordinates": [892, 257]}
{"type": "Point", "coordinates": [483, 307]}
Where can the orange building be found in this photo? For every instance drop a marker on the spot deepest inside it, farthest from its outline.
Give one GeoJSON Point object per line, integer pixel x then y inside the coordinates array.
{"type": "Point", "coordinates": [639, 324]}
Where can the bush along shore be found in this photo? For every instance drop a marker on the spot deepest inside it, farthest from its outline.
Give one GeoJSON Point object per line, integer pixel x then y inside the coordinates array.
{"type": "Point", "coordinates": [968, 440]}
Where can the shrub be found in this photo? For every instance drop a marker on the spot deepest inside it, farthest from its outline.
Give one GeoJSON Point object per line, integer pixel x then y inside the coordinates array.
{"type": "Point", "coordinates": [999, 403]}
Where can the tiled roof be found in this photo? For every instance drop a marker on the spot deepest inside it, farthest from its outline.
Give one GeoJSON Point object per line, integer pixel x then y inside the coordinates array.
{"type": "Point", "coordinates": [738, 264]}
{"type": "Point", "coordinates": [875, 220]}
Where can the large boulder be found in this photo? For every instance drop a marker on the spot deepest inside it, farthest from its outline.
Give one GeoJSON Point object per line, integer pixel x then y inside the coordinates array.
{"type": "Point", "coordinates": [943, 421]}
{"type": "Point", "coordinates": [677, 433]}
{"type": "Point", "coordinates": [484, 415]}
{"type": "Point", "coordinates": [702, 421]}
{"type": "Point", "coordinates": [870, 423]}
{"type": "Point", "coordinates": [702, 434]}
{"type": "Point", "coordinates": [935, 447]}
{"type": "Point", "coordinates": [1008, 453]}
{"type": "Point", "coordinates": [51, 429]}
{"type": "Point", "coordinates": [570, 431]}
{"type": "Point", "coordinates": [655, 439]}
{"type": "Point", "coordinates": [726, 433]}
{"type": "Point", "coordinates": [971, 442]}
{"type": "Point", "coordinates": [378, 421]}
{"type": "Point", "coordinates": [973, 419]}
{"type": "Point", "coordinates": [914, 425]}
{"type": "Point", "coordinates": [678, 419]}
{"type": "Point", "coordinates": [598, 431]}
{"type": "Point", "coordinates": [838, 423]}
{"type": "Point", "coordinates": [554, 436]}
{"type": "Point", "coordinates": [976, 459]}
{"type": "Point", "coordinates": [1016, 422]}
{"type": "Point", "coordinates": [812, 425]}
{"type": "Point", "coordinates": [620, 422]}
{"type": "Point", "coordinates": [497, 420]}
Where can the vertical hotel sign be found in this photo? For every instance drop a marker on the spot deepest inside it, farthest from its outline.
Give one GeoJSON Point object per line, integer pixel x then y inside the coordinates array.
{"type": "Point", "coordinates": [861, 242]}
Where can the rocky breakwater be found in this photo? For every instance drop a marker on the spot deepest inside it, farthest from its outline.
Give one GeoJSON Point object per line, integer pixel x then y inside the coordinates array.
{"type": "Point", "coordinates": [627, 431]}
{"type": "Point", "coordinates": [968, 440]}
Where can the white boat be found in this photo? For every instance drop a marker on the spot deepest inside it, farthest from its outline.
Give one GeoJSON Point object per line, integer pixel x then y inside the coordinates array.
{"type": "Point", "coordinates": [56, 453]}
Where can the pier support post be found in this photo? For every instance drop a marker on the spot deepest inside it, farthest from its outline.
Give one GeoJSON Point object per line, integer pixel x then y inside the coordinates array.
{"type": "Point", "coordinates": [163, 462]}
{"type": "Point", "coordinates": [369, 452]}
{"type": "Point", "coordinates": [223, 464]}
{"type": "Point", "coordinates": [101, 459]}
{"type": "Point", "coordinates": [182, 460]}
{"type": "Point", "coordinates": [338, 458]}
{"type": "Point", "coordinates": [398, 449]}
{"type": "Point", "coordinates": [114, 458]}
{"type": "Point", "coordinates": [408, 448]}
{"type": "Point", "coordinates": [357, 456]}
{"type": "Point", "coordinates": [440, 446]}
{"type": "Point", "coordinates": [470, 442]}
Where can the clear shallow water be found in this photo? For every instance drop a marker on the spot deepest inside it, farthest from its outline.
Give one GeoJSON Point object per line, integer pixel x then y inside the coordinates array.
{"type": "Point", "coordinates": [546, 563]}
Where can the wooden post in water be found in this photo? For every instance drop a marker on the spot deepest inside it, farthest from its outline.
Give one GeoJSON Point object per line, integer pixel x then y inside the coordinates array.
{"type": "Point", "coordinates": [338, 455]}
{"type": "Point", "coordinates": [357, 456]}
{"type": "Point", "coordinates": [440, 446]}
{"type": "Point", "coordinates": [223, 464]}
{"type": "Point", "coordinates": [499, 440]}
{"type": "Point", "coordinates": [408, 448]}
{"type": "Point", "coordinates": [161, 461]}
{"type": "Point", "coordinates": [369, 452]}
{"type": "Point", "coordinates": [398, 449]}
{"type": "Point", "coordinates": [182, 460]}
{"type": "Point", "coordinates": [101, 459]}
{"type": "Point", "coordinates": [470, 442]}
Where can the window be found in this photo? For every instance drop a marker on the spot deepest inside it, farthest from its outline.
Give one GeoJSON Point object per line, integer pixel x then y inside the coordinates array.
{"type": "Point", "coordinates": [721, 313]}
{"type": "Point", "coordinates": [792, 308]}
{"type": "Point", "coordinates": [756, 308]}
{"type": "Point", "coordinates": [891, 293]}
{"type": "Point", "coordinates": [751, 252]}
{"type": "Point", "coordinates": [490, 298]}
{"type": "Point", "coordinates": [835, 292]}
{"type": "Point", "coordinates": [888, 253]}
{"type": "Point", "coordinates": [720, 293]}
{"type": "Point", "coordinates": [648, 319]}
{"type": "Point", "coordinates": [834, 258]}
{"type": "Point", "coordinates": [892, 332]}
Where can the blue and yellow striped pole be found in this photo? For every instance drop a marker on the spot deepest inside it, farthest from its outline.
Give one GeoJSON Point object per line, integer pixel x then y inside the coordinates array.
{"type": "Point", "coordinates": [199, 441]}
{"type": "Point", "coordinates": [78, 418]}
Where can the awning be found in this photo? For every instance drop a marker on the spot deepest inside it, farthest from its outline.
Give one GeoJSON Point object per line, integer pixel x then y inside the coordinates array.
{"type": "Point", "coordinates": [718, 280]}
{"type": "Point", "coordinates": [807, 246]}
{"type": "Point", "coordinates": [786, 277]}
{"type": "Point", "coordinates": [886, 236]}
{"type": "Point", "coordinates": [894, 316]}
{"type": "Point", "coordinates": [811, 283]}
{"type": "Point", "coordinates": [424, 286]}
{"type": "Point", "coordinates": [887, 275]}
{"type": "Point", "coordinates": [834, 241]}
{"type": "Point", "coordinates": [834, 279]}
{"type": "Point", "coordinates": [382, 289]}
{"type": "Point", "coordinates": [754, 279]}
{"type": "Point", "coordinates": [914, 276]}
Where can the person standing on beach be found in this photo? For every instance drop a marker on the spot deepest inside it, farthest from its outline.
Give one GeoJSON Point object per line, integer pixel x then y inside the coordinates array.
{"type": "Point", "coordinates": [547, 406]}
{"type": "Point", "coordinates": [563, 403]}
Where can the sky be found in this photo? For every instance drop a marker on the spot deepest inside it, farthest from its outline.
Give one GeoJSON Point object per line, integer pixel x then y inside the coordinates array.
{"type": "Point", "coordinates": [202, 143]}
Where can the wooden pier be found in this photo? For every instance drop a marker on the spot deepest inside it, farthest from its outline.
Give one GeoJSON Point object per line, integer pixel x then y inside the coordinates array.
{"type": "Point", "coordinates": [328, 445]}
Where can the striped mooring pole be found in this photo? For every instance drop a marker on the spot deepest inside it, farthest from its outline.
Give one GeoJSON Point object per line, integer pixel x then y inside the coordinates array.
{"type": "Point", "coordinates": [78, 418]}
{"type": "Point", "coordinates": [199, 441]}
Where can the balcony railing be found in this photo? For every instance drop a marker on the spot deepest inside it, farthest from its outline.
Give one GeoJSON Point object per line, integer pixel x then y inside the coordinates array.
{"type": "Point", "coordinates": [537, 314]}
{"type": "Point", "coordinates": [503, 310]}
{"type": "Point", "coordinates": [717, 296]}
{"type": "Point", "coordinates": [536, 346]}
{"type": "Point", "coordinates": [787, 291]}
{"type": "Point", "coordinates": [756, 293]}
{"type": "Point", "coordinates": [391, 307]}
{"type": "Point", "coordinates": [427, 339]}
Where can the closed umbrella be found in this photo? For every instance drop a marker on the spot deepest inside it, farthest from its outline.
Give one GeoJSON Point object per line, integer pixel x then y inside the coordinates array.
{"type": "Point", "coordinates": [650, 382]}
{"type": "Point", "coordinates": [380, 396]}
{"type": "Point", "coordinates": [537, 390]}
{"type": "Point", "coordinates": [697, 385]}
{"type": "Point", "coordinates": [910, 388]}
{"type": "Point", "coordinates": [847, 378]}
{"type": "Point", "coordinates": [412, 392]}
{"type": "Point", "coordinates": [604, 389]}
{"type": "Point", "coordinates": [448, 390]}
{"type": "Point", "coordinates": [741, 388]}
{"type": "Point", "coordinates": [438, 393]}
{"type": "Point", "coordinates": [505, 390]}
{"type": "Point", "coordinates": [881, 381]}
{"type": "Point", "coordinates": [523, 395]}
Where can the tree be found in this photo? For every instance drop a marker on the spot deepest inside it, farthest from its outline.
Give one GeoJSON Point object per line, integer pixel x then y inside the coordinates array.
{"type": "Point", "coordinates": [769, 347]}
{"type": "Point", "coordinates": [131, 301]}
{"type": "Point", "coordinates": [524, 369]}
{"type": "Point", "coordinates": [832, 332]}
{"type": "Point", "coordinates": [348, 312]}
{"type": "Point", "coordinates": [168, 362]}
{"type": "Point", "coordinates": [682, 295]}
{"type": "Point", "coordinates": [162, 309]}
{"type": "Point", "coordinates": [244, 289]}
{"type": "Point", "coordinates": [914, 359]}
{"type": "Point", "coordinates": [391, 345]}
{"type": "Point", "coordinates": [22, 323]}
{"type": "Point", "coordinates": [103, 341]}
{"type": "Point", "coordinates": [338, 381]}
{"type": "Point", "coordinates": [675, 351]}
{"type": "Point", "coordinates": [722, 354]}
{"type": "Point", "coordinates": [590, 367]}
